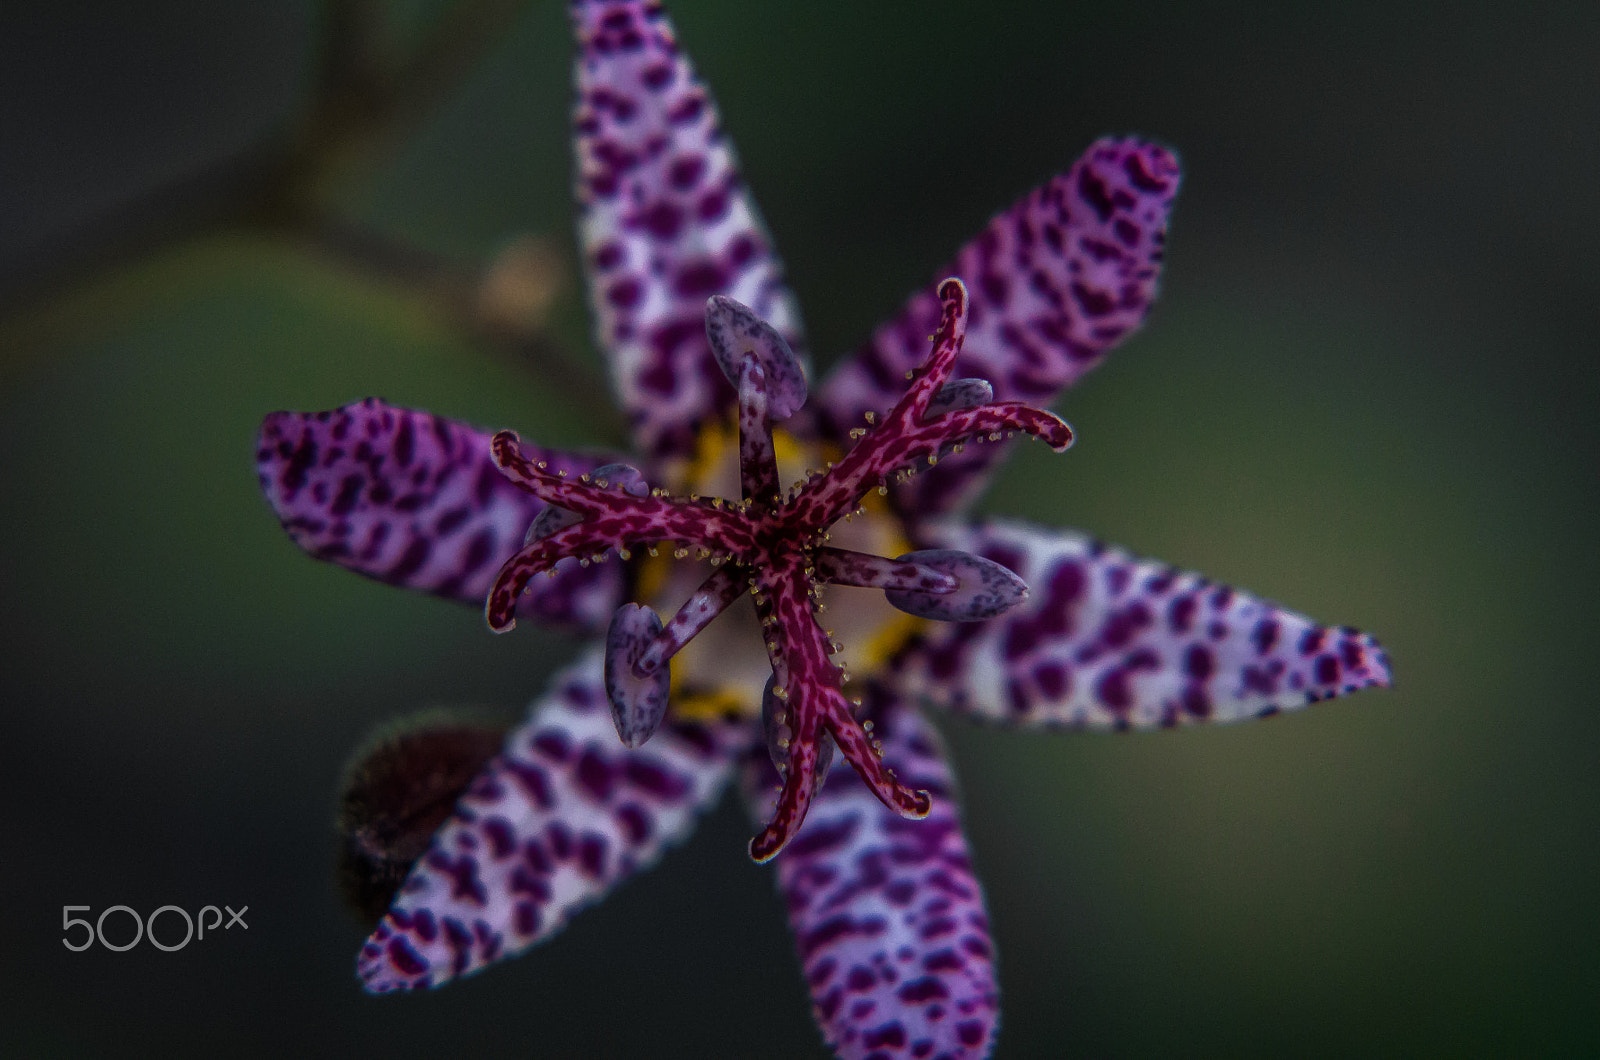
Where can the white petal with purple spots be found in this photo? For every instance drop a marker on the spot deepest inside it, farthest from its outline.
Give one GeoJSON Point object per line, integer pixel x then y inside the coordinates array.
{"type": "Point", "coordinates": [888, 917]}
{"type": "Point", "coordinates": [1109, 641]}
{"type": "Point", "coordinates": [1057, 281]}
{"type": "Point", "coordinates": [665, 222]}
{"type": "Point", "coordinates": [558, 819]}
{"type": "Point", "coordinates": [414, 500]}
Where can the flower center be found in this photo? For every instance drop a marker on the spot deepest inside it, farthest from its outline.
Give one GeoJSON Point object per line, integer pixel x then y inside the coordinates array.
{"type": "Point", "coordinates": [724, 669]}
{"type": "Point", "coordinates": [776, 546]}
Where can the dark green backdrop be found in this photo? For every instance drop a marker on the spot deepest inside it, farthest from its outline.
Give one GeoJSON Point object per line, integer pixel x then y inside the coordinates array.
{"type": "Point", "coordinates": [1368, 390]}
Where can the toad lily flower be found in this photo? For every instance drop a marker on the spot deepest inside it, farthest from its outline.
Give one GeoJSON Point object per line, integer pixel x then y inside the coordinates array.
{"type": "Point", "coordinates": [827, 641]}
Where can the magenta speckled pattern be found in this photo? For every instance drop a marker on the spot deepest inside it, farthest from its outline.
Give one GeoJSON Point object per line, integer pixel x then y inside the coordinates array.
{"type": "Point", "coordinates": [888, 917]}
{"type": "Point", "coordinates": [414, 500]}
{"type": "Point", "coordinates": [1057, 281]}
{"type": "Point", "coordinates": [664, 220]}
{"type": "Point", "coordinates": [552, 824]}
{"type": "Point", "coordinates": [1107, 641]}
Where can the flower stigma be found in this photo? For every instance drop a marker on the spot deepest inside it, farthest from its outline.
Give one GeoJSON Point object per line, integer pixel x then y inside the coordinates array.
{"type": "Point", "coordinates": [777, 547]}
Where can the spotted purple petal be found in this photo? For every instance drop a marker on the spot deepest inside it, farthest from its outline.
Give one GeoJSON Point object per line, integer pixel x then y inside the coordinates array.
{"type": "Point", "coordinates": [1057, 281]}
{"type": "Point", "coordinates": [551, 825]}
{"type": "Point", "coordinates": [1109, 641]}
{"type": "Point", "coordinates": [888, 917]}
{"type": "Point", "coordinates": [414, 500]}
{"type": "Point", "coordinates": [665, 222]}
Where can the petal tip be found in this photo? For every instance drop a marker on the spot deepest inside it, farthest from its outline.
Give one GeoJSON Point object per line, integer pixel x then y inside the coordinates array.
{"type": "Point", "coordinates": [1379, 669]}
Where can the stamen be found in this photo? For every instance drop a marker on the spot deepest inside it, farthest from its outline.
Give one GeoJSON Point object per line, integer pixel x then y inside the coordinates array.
{"type": "Point", "coordinates": [758, 466]}
{"type": "Point", "coordinates": [714, 595]}
{"type": "Point", "coordinates": [984, 588]}
{"type": "Point", "coordinates": [906, 574]}
{"type": "Point", "coordinates": [735, 332]}
{"type": "Point", "coordinates": [625, 477]}
{"type": "Point", "coordinates": [960, 394]}
{"type": "Point", "coordinates": [775, 542]}
{"type": "Point", "coordinates": [638, 699]}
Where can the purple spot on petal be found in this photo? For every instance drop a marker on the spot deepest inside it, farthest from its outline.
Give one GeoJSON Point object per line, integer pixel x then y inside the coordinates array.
{"type": "Point", "coordinates": [595, 778]}
{"type": "Point", "coordinates": [405, 959]}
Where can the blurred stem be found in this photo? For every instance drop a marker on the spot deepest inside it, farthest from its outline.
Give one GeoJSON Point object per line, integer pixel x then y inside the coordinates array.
{"type": "Point", "coordinates": [365, 99]}
{"type": "Point", "coordinates": [456, 294]}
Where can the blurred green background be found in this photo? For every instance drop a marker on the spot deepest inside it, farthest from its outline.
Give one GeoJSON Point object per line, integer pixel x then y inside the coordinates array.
{"type": "Point", "coordinates": [1368, 390]}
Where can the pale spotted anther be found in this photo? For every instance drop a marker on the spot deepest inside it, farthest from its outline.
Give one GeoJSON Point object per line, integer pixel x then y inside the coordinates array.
{"type": "Point", "coordinates": [983, 589]}
{"type": "Point", "coordinates": [735, 332]}
{"type": "Point", "coordinates": [961, 394]}
{"type": "Point", "coordinates": [638, 694]}
{"type": "Point", "coordinates": [1110, 641]}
